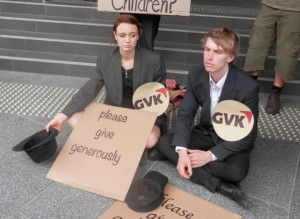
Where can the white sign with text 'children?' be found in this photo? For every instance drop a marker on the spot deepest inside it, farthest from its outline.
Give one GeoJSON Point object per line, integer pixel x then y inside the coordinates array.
{"type": "Point", "coordinates": [157, 7]}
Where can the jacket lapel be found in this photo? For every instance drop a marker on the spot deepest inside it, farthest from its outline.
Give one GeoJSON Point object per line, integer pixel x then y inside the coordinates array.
{"type": "Point", "coordinates": [137, 69]}
{"type": "Point", "coordinates": [228, 91]}
{"type": "Point", "coordinates": [204, 97]}
{"type": "Point", "coordinates": [117, 75]}
{"type": "Point", "coordinates": [206, 101]}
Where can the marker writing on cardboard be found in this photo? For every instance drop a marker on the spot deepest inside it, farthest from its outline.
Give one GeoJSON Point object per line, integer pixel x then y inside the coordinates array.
{"type": "Point", "coordinates": [162, 6]}
{"type": "Point", "coordinates": [168, 204]}
{"type": "Point", "coordinates": [113, 157]}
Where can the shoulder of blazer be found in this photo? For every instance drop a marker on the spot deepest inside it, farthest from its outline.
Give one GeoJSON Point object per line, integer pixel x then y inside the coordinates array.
{"type": "Point", "coordinates": [108, 59]}
{"type": "Point", "coordinates": [197, 69]}
{"type": "Point", "coordinates": [198, 74]}
{"type": "Point", "coordinates": [109, 53]}
{"type": "Point", "coordinates": [198, 80]}
{"type": "Point", "coordinates": [241, 77]}
{"type": "Point", "coordinates": [147, 54]}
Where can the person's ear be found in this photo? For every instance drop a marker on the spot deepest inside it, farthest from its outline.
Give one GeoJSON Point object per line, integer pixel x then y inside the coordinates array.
{"type": "Point", "coordinates": [230, 58]}
{"type": "Point", "coordinates": [115, 35]}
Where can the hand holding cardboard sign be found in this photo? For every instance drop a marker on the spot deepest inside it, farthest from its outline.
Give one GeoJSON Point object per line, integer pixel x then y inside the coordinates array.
{"type": "Point", "coordinates": [103, 143]}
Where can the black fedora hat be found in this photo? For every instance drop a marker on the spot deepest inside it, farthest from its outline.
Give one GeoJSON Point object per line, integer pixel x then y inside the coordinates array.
{"type": "Point", "coordinates": [39, 146]}
{"type": "Point", "coordinates": [147, 193]}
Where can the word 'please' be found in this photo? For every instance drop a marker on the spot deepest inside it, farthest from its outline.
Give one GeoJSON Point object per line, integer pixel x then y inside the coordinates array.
{"type": "Point", "coordinates": [112, 116]}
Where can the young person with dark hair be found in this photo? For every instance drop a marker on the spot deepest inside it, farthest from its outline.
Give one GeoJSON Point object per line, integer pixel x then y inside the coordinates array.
{"type": "Point", "coordinates": [121, 71]}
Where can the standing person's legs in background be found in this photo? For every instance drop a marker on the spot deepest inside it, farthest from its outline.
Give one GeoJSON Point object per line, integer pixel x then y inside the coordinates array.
{"type": "Point", "coordinates": [150, 29]}
{"type": "Point", "coordinates": [274, 25]}
{"type": "Point", "coordinates": [288, 46]}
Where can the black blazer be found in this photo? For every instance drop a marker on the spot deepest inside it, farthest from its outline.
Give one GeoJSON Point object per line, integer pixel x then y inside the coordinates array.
{"type": "Point", "coordinates": [238, 86]}
{"type": "Point", "coordinates": [148, 66]}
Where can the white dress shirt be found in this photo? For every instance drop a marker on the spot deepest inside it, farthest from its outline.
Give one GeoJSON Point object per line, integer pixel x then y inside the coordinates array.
{"type": "Point", "coordinates": [215, 93]}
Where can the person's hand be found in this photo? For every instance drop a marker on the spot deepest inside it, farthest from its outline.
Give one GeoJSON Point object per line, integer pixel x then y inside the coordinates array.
{"type": "Point", "coordinates": [184, 167]}
{"type": "Point", "coordinates": [57, 122]}
{"type": "Point", "coordinates": [199, 158]}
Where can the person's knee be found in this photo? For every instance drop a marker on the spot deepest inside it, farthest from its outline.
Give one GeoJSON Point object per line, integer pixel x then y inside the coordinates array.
{"type": "Point", "coordinates": [164, 142]}
{"type": "Point", "coordinates": [152, 141]}
{"type": "Point", "coordinates": [238, 174]}
{"type": "Point", "coordinates": [71, 123]}
{"type": "Point", "coordinates": [153, 138]}
{"type": "Point", "coordinates": [73, 120]}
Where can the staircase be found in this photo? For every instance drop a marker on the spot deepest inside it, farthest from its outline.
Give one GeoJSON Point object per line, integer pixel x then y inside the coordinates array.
{"type": "Point", "coordinates": [64, 37]}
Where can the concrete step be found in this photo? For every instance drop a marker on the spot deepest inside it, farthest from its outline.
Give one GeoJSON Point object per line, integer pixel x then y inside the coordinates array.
{"type": "Point", "coordinates": [169, 31]}
{"type": "Point", "coordinates": [68, 38]}
{"type": "Point", "coordinates": [47, 63]}
{"type": "Point", "coordinates": [198, 19]}
{"type": "Point", "coordinates": [177, 55]}
{"type": "Point", "coordinates": [47, 29]}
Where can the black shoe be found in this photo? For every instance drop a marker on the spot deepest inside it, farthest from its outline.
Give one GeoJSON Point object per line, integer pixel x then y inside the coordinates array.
{"type": "Point", "coordinates": [234, 192]}
{"type": "Point", "coordinates": [156, 155]}
{"type": "Point", "coordinates": [273, 104]}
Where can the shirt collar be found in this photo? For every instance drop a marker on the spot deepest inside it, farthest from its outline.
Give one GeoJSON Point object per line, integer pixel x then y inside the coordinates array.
{"type": "Point", "coordinates": [221, 82]}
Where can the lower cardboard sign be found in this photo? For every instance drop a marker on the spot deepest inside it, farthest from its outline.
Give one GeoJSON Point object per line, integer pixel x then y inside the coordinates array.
{"type": "Point", "coordinates": [103, 151]}
{"type": "Point", "coordinates": [177, 204]}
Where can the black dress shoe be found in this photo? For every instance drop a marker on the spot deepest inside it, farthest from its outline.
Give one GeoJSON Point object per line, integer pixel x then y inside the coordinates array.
{"type": "Point", "coordinates": [273, 104]}
{"type": "Point", "coordinates": [156, 155]}
{"type": "Point", "coordinates": [234, 192]}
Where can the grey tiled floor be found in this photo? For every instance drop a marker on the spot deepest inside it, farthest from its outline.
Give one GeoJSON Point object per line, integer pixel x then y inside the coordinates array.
{"type": "Point", "coordinates": [273, 182]}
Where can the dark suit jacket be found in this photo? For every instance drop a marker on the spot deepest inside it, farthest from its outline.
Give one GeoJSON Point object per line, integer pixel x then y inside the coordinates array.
{"type": "Point", "coordinates": [238, 86]}
{"type": "Point", "coordinates": [148, 67]}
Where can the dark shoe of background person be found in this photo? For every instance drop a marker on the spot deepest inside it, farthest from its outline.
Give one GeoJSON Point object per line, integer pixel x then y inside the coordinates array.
{"type": "Point", "coordinates": [273, 104]}
{"type": "Point", "coordinates": [234, 192]}
{"type": "Point", "coordinates": [156, 155]}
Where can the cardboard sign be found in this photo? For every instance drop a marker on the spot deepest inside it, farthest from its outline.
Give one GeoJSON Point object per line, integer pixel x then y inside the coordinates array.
{"type": "Point", "coordinates": [176, 205]}
{"type": "Point", "coordinates": [232, 120]}
{"type": "Point", "coordinates": [103, 151]}
{"type": "Point", "coordinates": [159, 7]}
{"type": "Point", "coordinates": [151, 97]}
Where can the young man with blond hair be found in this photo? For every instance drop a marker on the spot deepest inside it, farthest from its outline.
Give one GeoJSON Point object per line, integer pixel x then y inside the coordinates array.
{"type": "Point", "coordinates": [199, 154]}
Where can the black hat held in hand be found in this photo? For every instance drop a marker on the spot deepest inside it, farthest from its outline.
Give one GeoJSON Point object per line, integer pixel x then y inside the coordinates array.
{"type": "Point", "coordinates": [39, 146]}
{"type": "Point", "coordinates": [147, 193]}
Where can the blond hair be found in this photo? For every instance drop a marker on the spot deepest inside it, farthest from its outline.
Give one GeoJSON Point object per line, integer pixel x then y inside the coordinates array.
{"type": "Point", "coordinates": [225, 38]}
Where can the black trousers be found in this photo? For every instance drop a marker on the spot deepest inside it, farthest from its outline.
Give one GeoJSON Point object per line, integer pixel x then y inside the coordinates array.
{"type": "Point", "coordinates": [233, 169]}
{"type": "Point", "coordinates": [150, 29]}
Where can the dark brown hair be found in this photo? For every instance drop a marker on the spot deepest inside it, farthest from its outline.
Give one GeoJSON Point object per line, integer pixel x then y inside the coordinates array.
{"type": "Point", "coordinates": [225, 38]}
{"type": "Point", "coordinates": [128, 19]}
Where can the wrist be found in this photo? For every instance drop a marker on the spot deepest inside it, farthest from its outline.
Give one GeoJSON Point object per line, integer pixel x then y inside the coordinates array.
{"type": "Point", "coordinates": [182, 151]}
{"type": "Point", "coordinates": [60, 116]}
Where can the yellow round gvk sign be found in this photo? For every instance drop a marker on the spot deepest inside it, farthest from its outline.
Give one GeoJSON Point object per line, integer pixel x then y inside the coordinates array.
{"type": "Point", "coordinates": [151, 97]}
{"type": "Point", "coordinates": [232, 120]}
